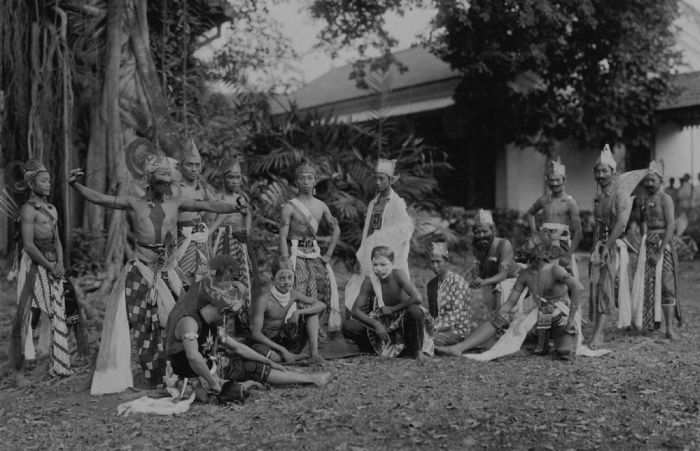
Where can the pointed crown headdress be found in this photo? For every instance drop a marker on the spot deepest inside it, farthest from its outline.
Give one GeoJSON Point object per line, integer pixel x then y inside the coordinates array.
{"type": "Point", "coordinates": [606, 158]}
{"type": "Point", "coordinates": [556, 168]}
{"type": "Point", "coordinates": [191, 152]}
{"type": "Point", "coordinates": [387, 167]}
{"type": "Point", "coordinates": [656, 167]}
{"type": "Point", "coordinates": [483, 217]}
{"type": "Point", "coordinates": [439, 249]}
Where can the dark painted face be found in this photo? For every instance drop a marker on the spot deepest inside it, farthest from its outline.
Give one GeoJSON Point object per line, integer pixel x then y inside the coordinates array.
{"type": "Point", "coordinates": [483, 236]}
{"type": "Point", "coordinates": [652, 183]}
{"type": "Point", "coordinates": [555, 183]}
{"type": "Point", "coordinates": [603, 174]}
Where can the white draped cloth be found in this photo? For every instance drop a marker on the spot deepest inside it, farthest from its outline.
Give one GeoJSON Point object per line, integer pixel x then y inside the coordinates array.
{"type": "Point", "coordinates": [395, 233]}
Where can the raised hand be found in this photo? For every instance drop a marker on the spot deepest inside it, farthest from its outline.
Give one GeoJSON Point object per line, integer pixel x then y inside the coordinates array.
{"type": "Point", "coordinates": [75, 175]}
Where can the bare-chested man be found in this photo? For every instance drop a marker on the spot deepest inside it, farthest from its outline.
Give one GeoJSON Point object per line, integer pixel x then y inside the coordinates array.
{"type": "Point", "coordinates": [560, 215]}
{"type": "Point", "coordinates": [285, 320]}
{"type": "Point", "coordinates": [301, 218]}
{"type": "Point", "coordinates": [658, 259]}
{"type": "Point", "coordinates": [494, 261]}
{"type": "Point", "coordinates": [192, 226]}
{"type": "Point", "coordinates": [388, 318]}
{"type": "Point", "coordinates": [550, 284]}
{"type": "Point", "coordinates": [148, 282]}
{"type": "Point", "coordinates": [610, 212]}
{"type": "Point", "coordinates": [40, 282]}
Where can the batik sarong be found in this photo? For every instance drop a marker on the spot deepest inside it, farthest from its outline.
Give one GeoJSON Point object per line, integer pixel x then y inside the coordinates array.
{"type": "Point", "coordinates": [656, 284]}
{"type": "Point", "coordinates": [141, 298]}
{"type": "Point", "coordinates": [38, 289]}
{"type": "Point", "coordinates": [193, 251]}
{"type": "Point", "coordinates": [233, 240]}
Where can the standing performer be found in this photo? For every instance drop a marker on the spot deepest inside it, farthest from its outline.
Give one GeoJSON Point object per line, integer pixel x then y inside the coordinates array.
{"type": "Point", "coordinates": [301, 218]}
{"type": "Point", "coordinates": [449, 300]}
{"type": "Point", "coordinates": [494, 262]}
{"type": "Point", "coordinates": [193, 233]}
{"type": "Point", "coordinates": [231, 236]}
{"type": "Point", "coordinates": [561, 216]}
{"type": "Point", "coordinates": [657, 271]}
{"type": "Point", "coordinates": [40, 281]}
{"type": "Point", "coordinates": [387, 223]}
{"type": "Point", "coordinates": [143, 294]}
{"type": "Point", "coordinates": [609, 259]}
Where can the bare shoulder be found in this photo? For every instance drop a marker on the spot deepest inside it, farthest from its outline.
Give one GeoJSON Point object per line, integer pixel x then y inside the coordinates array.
{"type": "Point", "coordinates": [28, 212]}
{"type": "Point", "coordinates": [185, 325]}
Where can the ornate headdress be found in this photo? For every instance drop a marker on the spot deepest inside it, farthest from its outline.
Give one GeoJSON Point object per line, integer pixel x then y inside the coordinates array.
{"type": "Point", "coordinates": [224, 295]}
{"type": "Point", "coordinates": [20, 174]}
{"type": "Point", "coordinates": [656, 167]}
{"type": "Point", "coordinates": [483, 217]}
{"type": "Point", "coordinates": [556, 168]}
{"type": "Point", "coordinates": [142, 162]}
{"type": "Point", "coordinates": [387, 167]}
{"type": "Point", "coordinates": [191, 152]}
{"type": "Point", "coordinates": [305, 167]}
{"type": "Point", "coordinates": [439, 249]}
{"type": "Point", "coordinates": [232, 165]}
{"type": "Point", "coordinates": [606, 158]}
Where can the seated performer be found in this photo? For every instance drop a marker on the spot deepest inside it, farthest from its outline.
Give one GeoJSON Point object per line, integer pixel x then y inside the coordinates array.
{"type": "Point", "coordinates": [146, 290]}
{"type": "Point", "coordinates": [193, 334]}
{"type": "Point", "coordinates": [656, 279]}
{"type": "Point", "coordinates": [41, 278]}
{"type": "Point", "coordinates": [449, 300]}
{"type": "Point", "coordinates": [284, 319]}
{"type": "Point", "coordinates": [549, 284]}
{"type": "Point", "coordinates": [231, 236]}
{"type": "Point", "coordinates": [313, 273]}
{"type": "Point", "coordinates": [387, 223]}
{"type": "Point", "coordinates": [388, 317]}
{"type": "Point", "coordinates": [494, 261]}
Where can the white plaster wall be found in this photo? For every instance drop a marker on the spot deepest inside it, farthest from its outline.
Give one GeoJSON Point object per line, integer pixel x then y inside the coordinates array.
{"type": "Point", "coordinates": [680, 150]}
{"type": "Point", "coordinates": [522, 175]}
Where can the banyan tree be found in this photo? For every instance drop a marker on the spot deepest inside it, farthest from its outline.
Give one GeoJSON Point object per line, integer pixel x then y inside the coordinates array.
{"type": "Point", "coordinates": [81, 79]}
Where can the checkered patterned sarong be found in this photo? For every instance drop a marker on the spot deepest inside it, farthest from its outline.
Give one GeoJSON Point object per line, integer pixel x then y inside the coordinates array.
{"type": "Point", "coordinates": [142, 310]}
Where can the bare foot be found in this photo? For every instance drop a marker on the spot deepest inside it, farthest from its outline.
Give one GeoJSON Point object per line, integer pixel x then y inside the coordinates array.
{"type": "Point", "coordinates": [21, 381]}
{"type": "Point", "coordinates": [597, 341]}
{"type": "Point", "coordinates": [422, 357]}
{"type": "Point", "coordinates": [671, 335]}
{"type": "Point", "coordinates": [321, 379]}
{"type": "Point", "coordinates": [316, 359]}
{"type": "Point", "coordinates": [448, 351]}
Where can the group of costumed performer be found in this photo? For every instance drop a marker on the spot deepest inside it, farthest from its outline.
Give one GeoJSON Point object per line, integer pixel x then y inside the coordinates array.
{"type": "Point", "coordinates": [231, 236]}
{"type": "Point", "coordinates": [301, 218]}
{"type": "Point", "coordinates": [40, 283]}
{"type": "Point", "coordinates": [655, 287]}
{"type": "Point", "coordinates": [387, 223]}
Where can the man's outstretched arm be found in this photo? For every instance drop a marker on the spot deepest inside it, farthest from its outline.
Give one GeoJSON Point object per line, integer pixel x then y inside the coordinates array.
{"type": "Point", "coordinates": [103, 200]}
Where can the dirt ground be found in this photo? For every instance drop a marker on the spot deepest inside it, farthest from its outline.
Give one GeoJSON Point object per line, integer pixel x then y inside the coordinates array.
{"type": "Point", "coordinates": [642, 396]}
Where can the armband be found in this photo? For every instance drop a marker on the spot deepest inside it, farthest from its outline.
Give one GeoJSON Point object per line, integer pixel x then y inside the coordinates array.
{"type": "Point", "coordinates": [190, 336]}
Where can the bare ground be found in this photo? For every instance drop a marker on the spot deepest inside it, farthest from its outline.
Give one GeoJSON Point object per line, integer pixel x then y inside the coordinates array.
{"type": "Point", "coordinates": [642, 396]}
